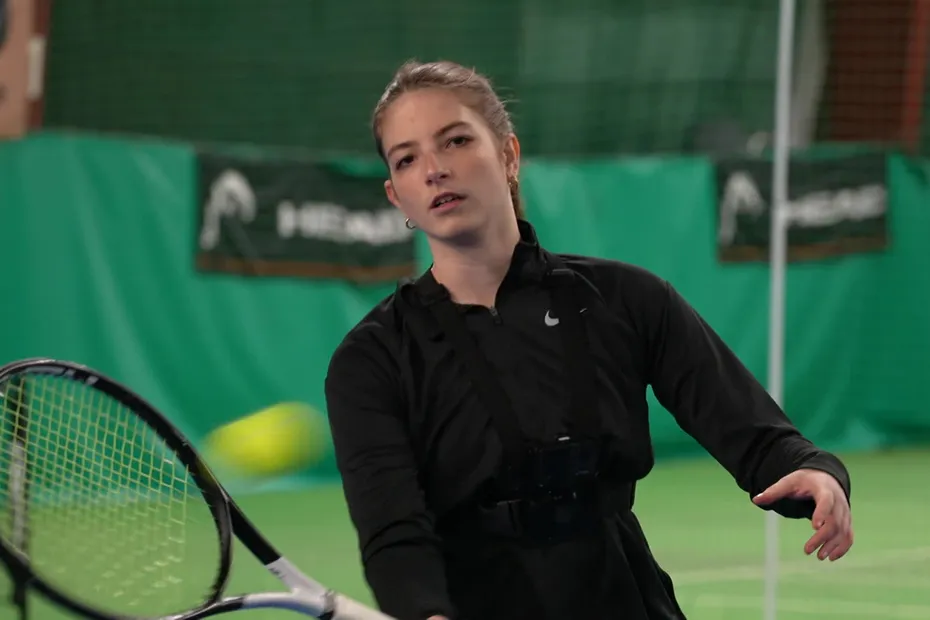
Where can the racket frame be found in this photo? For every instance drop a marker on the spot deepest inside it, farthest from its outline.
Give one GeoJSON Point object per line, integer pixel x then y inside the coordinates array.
{"type": "Point", "coordinates": [18, 492]}
{"type": "Point", "coordinates": [210, 488]}
{"type": "Point", "coordinates": [305, 595]}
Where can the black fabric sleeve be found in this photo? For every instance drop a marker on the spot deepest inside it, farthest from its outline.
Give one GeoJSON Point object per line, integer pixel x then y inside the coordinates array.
{"type": "Point", "coordinates": [400, 553]}
{"type": "Point", "coordinates": [716, 400]}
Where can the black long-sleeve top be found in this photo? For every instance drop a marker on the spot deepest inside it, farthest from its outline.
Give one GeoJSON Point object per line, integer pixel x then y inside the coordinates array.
{"type": "Point", "coordinates": [413, 442]}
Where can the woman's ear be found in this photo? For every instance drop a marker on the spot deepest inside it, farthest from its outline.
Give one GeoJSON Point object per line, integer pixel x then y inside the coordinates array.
{"type": "Point", "coordinates": [512, 156]}
{"type": "Point", "coordinates": [391, 193]}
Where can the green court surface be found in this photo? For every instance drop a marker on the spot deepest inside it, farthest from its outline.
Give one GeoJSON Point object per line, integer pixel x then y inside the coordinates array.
{"type": "Point", "coordinates": [703, 530]}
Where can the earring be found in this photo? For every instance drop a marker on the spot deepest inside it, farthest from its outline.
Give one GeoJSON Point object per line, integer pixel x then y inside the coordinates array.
{"type": "Point", "coordinates": [409, 224]}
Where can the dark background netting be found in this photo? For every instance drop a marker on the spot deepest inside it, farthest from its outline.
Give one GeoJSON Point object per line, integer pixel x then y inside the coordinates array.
{"type": "Point", "coordinates": [588, 77]}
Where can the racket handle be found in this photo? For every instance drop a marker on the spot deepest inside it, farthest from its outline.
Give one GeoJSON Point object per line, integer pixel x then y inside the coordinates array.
{"type": "Point", "coordinates": [20, 600]}
{"type": "Point", "coordinates": [348, 609]}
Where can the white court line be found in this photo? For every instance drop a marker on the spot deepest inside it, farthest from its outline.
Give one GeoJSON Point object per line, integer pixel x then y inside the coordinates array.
{"type": "Point", "coordinates": [754, 572]}
{"type": "Point", "coordinates": [824, 607]}
{"type": "Point", "coordinates": [892, 581]}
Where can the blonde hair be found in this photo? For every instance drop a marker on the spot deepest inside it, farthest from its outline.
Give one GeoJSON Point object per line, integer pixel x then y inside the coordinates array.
{"type": "Point", "coordinates": [475, 90]}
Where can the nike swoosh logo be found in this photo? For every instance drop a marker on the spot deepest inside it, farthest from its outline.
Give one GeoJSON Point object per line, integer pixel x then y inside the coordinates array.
{"type": "Point", "coordinates": [552, 322]}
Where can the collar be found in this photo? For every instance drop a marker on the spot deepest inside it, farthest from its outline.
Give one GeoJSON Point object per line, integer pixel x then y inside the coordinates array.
{"type": "Point", "coordinates": [529, 258]}
{"type": "Point", "coordinates": [528, 264]}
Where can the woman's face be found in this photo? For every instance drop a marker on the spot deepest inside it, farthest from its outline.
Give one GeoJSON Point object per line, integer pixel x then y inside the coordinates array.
{"type": "Point", "coordinates": [449, 172]}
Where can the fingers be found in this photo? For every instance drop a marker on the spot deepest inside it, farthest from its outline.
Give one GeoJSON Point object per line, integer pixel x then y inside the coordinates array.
{"type": "Point", "coordinates": [831, 519]}
{"type": "Point", "coordinates": [826, 502]}
{"type": "Point", "coordinates": [841, 547]}
{"type": "Point", "coordinates": [840, 544]}
{"type": "Point", "coordinates": [781, 489]}
{"type": "Point", "coordinates": [837, 546]}
{"type": "Point", "coordinates": [824, 535]}
{"type": "Point", "coordinates": [835, 537]}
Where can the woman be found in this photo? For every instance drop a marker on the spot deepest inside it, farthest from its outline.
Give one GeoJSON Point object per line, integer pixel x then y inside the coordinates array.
{"type": "Point", "coordinates": [490, 417]}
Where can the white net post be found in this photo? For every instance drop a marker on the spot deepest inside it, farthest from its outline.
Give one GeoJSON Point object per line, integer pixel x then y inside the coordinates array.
{"type": "Point", "coordinates": [777, 267]}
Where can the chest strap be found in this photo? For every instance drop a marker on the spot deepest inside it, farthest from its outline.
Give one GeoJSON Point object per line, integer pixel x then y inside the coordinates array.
{"type": "Point", "coordinates": [580, 371]}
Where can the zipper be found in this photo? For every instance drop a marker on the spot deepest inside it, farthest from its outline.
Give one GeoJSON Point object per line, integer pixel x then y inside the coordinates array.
{"type": "Point", "coordinates": [495, 314]}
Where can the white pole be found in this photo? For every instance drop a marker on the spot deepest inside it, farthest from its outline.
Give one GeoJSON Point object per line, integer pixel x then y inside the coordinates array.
{"type": "Point", "coordinates": [777, 267]}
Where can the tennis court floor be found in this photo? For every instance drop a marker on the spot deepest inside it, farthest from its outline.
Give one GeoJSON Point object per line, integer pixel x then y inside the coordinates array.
{"type": "Point", "coordinates": [700, 526]}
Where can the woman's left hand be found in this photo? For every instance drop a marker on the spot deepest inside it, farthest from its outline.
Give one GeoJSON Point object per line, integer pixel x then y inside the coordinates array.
{"type": "Point", "coordinates": [831, 520]}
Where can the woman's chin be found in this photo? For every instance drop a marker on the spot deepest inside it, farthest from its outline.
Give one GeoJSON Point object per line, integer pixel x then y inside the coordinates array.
{"type": "Point", "coordinates": [458, 232]}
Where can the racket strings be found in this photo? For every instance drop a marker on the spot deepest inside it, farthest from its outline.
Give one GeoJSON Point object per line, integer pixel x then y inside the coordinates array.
{"type": "Point", "coordinates": [114, 518]}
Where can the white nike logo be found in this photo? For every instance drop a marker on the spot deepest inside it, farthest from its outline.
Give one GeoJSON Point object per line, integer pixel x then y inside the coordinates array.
{"type": "Point", "coordinates": [552, 322]}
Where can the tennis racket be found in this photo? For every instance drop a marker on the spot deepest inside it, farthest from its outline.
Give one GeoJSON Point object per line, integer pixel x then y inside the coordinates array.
{"type": "Point", "coordinates": [108, 511]}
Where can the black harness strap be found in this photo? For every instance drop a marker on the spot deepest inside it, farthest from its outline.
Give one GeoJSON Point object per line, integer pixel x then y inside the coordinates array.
{"type": "Point", "coordinates": [581, 372]}
{"type": "Point", "coordinates": [489, 389]}
{"type": "Point", "coordinates": [550, 489]}
{"type": "Point", "coordinates": [579, 361]}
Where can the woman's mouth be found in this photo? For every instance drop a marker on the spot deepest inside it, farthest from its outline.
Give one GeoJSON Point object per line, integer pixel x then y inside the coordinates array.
{"type": "Point", "coordinates": [446, 201]}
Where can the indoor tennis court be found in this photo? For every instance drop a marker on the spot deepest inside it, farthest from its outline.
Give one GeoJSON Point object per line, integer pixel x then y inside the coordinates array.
{"type": "Point", "coordinates": [201, 215]}
{"type": "Point", "coordinates": [702, 530]}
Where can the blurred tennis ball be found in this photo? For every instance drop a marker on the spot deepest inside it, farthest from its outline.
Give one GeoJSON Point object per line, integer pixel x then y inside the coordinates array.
{"type": "Point", "coordinates": [279, 440]}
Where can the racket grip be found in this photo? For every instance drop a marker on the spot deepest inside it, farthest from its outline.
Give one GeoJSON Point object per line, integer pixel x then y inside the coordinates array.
{"type": "Point", "coordinates": [348, 609]}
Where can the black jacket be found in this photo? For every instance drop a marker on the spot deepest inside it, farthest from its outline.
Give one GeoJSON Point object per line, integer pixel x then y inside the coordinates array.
{"type": "Point", "coordinates": [413, 442]}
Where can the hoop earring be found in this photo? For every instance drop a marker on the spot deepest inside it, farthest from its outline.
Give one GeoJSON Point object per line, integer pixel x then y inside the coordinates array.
{"type": "Point", "coordinates": [409, 225]}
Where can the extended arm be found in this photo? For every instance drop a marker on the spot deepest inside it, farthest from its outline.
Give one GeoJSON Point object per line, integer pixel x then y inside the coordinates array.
{"type": "Point", "coordinates": [400, 552]}
{"type": "Point", "coordinates": [717, 401]}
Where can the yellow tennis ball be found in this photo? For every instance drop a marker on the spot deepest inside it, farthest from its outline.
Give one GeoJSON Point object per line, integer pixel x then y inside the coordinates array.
{"type": "Point", "coordinates": [281, 439]}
